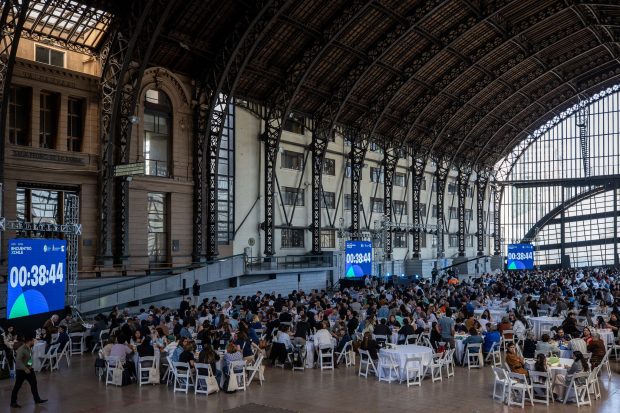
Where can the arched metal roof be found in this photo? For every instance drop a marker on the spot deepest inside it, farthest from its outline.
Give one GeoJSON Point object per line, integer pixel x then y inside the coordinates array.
{"type": "Point", "coordinates": [468, 79]}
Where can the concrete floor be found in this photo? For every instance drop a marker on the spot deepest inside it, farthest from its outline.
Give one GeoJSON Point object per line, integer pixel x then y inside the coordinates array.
{"type": "Point", "coordinates": [76, 389]}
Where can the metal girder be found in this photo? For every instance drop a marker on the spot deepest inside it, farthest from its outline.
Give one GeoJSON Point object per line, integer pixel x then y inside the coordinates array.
{"type": "Point", "coordinates": [441, 175]}
{"type": "Point", "coordinates": [116, 57]}
{"type": "Point", "coordinates": [280, 105]}
{"type": "Point", "coordinates": [214, 96]}
{"type": "Point", "coordinates": [390, 160]}
{"type": "Point", "coordinates": [497, 193]}
{"type": "Point", "coordinates": [471, 125]}
{"type": "Point", "coordinates": [464, 172]}
{"type": "Point", "coordinates": [482, 180]}
{"type": "Point", "coordinates": [320, 140]}
{"type": "Point", "coordinates": [359, 146]}
{"type": "Point", "coordinates": [418, 165]}
{"type": "Point", "coordinates": [11, 25]}
{"type": "Point", "coordinates": [591, 79]}
{"type": "Point", "coordinates": [512, 35]}
{"type": "Point", "coordinates": [127, 100]}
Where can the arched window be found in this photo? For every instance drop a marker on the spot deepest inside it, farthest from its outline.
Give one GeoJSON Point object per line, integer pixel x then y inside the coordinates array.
{"type": "Point", "coordinates": [562, 186]}
{"type": "Point", "coordinates": [157, 132]}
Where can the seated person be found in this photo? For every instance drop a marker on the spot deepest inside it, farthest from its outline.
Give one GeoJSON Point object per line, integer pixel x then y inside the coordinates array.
{"type": "Point", "coordinates": [187, 355]}
{"type": "Point", "coordinates": [210, 357]}
{"type": "Point", "coordinates": [393, 322]}
{"type": "Point", "coordinates": [578, 344]}
{"type": "Point", "coordinates": [587, 335]}
{"type": "Point", "coordinates": [545, 346]}
{"type": "Point", "coordinates": [405, 330]}
{"type": "Point", "coordinates": [561, 337]}
{"type": "Point", "coordinates": [323, 338]}
{"type": "Point", "coordinates": [514, 361]}
{"type": "Point", "coordinates": [561, 381]}
{"type": "Point", "coordinates": [343, 339]}
{"type": "Point", "coordinates": [529, 346]}
{"type": "Point", "coordinates": [569, 325]}
{"type": "Point", "coordinates": [62, 340]}
{"type": "Point", "coordinates": [284, 338]}
{"type": "Point", "coordinates": [597, 348]}
{"type": "Point", "coordinates": [145, 348]}
{"type": "Point", "coordinates": [179, 349]}
{"type": "Point", "coordinates": [473, 338]}
{"type": "Point", "coordinates": [491, 338]}
{"type": "Point", "coordinates": [382, 329]}
{"type": "Point", "coordinates": [369, 344]}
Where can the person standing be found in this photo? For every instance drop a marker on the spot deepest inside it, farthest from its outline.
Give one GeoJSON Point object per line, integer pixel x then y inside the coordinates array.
{"type": "Point", "coordinates": [196, 293]}
{"type": "Point", "coordinates": [24, 371]}
{"type": "Point", "coordinates": [434, 273]}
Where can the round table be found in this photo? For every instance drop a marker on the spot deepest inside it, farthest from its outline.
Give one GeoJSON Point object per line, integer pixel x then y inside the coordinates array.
{"type": "Point", "coordinates": [496, 314]}
{"type": "Point", "coordinates": [544, 323]}
{"type": "Point", "coordinates": [400, 353]}
{"type": "Point", "coordinates": [554, 370]}
{"type": "Point", "coordinates": [607, 335]}
{"type": "Point", "coordinates": [38, 351]}
{"type": "Point", "coordinates": [460, 347]}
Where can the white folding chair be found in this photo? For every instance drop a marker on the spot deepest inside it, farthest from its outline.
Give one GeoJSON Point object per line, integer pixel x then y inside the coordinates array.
{"type": "Point", "coordinates": [507, 338]}
{"type": "Point", "coordinates": [345, 353]}
{"type": "Point", "coordinates": [182, 376]}
{"type": "Point", "coordinates": [203, 372]}
{"type": "Point", "coordinates": [112, 363]}
{"type": "Point", "coordinates": [77, 343]}
{"type": "Point", "coordinates": [411, 339]}
{"type": "Point", "coordinates": [382, 340]}
{"type": "Point", "coordinates": [256, 368]}
{"type": "Point", "coordinates": [326, 357]}
{"type": "Point", "coordinates": [50, 358]}
{"type": "Point", "coordinates": [578, 387]}
{"type": "Point", "coordinates": [448, 362]}
{"type": "Point", "coordinates": [594, 387]}
{"type": "Point", "coordinates": [414, 370]}
{"type": "Point", "coordinates": [501, 380]}
{"type": "Point", "coordinates": [605, 363]}
{"type": "Point", "coordinates": [495, 355]}
{"type": "Point", "coordinates": [103, 335]}
{"type": "Point", "coordinates": [64, 352]}
{"type": "Point", "coordinates": [238, 371]}
{"type": "Point", "coordinates": [542, 383]}
{"type": "Point", "coordinates": [436, 366]}
{"type": "Point", "coordinates": [387, 364]}
{"type": "Point", "coordinates": [519, 390]}
{"type": "Point", "coordinates": [473, 356]}
{"type": "Point", "coordinates": [145, 364]}
{"type": "Point", "coordinates": [366, 364]}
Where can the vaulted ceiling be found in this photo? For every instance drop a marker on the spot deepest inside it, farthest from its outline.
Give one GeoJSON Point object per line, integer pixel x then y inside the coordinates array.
{"type": "Point", "coordinates": [467, 79]}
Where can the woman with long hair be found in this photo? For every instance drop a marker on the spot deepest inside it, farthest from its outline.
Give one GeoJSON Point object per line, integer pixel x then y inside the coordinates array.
{"type": "Point", "coordinates": [579, 365]}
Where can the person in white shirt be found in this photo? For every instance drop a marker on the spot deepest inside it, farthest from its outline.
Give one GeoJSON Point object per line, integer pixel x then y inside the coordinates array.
{"type": "Point", "coordinates": [323, 338]}
{"type": "Point", "coordinates": [284, 338]}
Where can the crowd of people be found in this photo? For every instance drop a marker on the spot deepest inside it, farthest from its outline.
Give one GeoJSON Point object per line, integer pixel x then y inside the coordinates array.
{"type": "Point", "coordinates": [238, 328]}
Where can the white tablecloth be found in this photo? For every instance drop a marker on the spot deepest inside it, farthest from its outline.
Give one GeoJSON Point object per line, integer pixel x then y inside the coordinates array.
{"type": "Point", "coordinates": [402, 352]}
{"type": "Point", "coordinates": [460, 347]}
{"type": "Point", "coordinates": [547, 322]}
{"type": "Point", "coordinates": [38, 351]}
{"type": "Point", "coordinates": [529, 364]}
{"type": "Point", "coordinates": [496, 314]}
{"type": "Point", "coordinates": [607, 335]}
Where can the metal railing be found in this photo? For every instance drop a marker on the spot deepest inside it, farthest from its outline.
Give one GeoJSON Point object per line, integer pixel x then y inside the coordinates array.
{"type": "Point", "coordinates": [289, 262]}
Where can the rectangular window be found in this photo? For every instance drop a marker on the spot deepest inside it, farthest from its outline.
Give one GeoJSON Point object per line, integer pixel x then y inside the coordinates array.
{"type": "Point", "coordinates": [470, 191]}
{"type": "Point", "coordinates": [399, 179]}
{"type": "Point", "coordinates": [328, 238]}
{"type": "Point", "coordinates": [454, 214]}
{"type": "Point", "coordinates": [434, 241]}
{"type": "Point", "coordinates": [157, 239]}
{"type": "Point", "coordinates": [329, 166]}
{"type": "Point", "coordinates": [19, 115]}
{"type": "Point", "coordinates": [294, 124]}
{"type": "Point", "coordinates": [328, 200]}
{"type": "Point", "coordinates": [156, 141]}
{"type": "Point", "coordinates": [292, 238]}
{"type": "Point", "coordinates": [451, 188]}
{"type": "Point", "coordinates": [423, 184]}
{"type": "Point", "coordinates": [469, 241]}
{"type": "Point", "coordinates": [292, 160]}
{"type": "Point", "coordinates": [48, 119]}
{"type": "Point", "coordinates": [400, 240]}
{"type": "Point", "coordinates": [422, 240]}
{"type": "Point", "coordinates": [468, 214]}
{"type": "Point", "coordinates": [376, 175]}
{"type": "Point", "coordinates": [292, 196]}
{"type": "Point", "coordinates": [347, 202]}
{"type": "Point", "coordinates": [434, 214]}
{"type": "Point", "coordinates": [400, 208]}
{"type": "Point", "coordinates": [49, 56]}
{"type": "Point", "coordinates": [226, 181]}
{"type": "Point", "coordinates": [422, 210]}
{"type": "Point", "coordinates": [41, 206]}
{"type": "Point", "coordinates": [434, 185]}
{"type": "Point", "coordinates": [376, 205]}
{"type": "Point", "coordinates": [75, 124]}
{"type": "Point", "coordinates": [453, 241]}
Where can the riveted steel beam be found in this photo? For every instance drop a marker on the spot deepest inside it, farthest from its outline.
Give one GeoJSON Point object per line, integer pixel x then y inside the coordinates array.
{"type": "Point", "coordinates": [464, 173]}
{"type": "Point", "coordinates": [418, 166]}
{"type": "Point", "coordinates": [482, 180]}
{"type": "Point", "coordinates": [441, 175]}
{"type": "Point", "coordinates": [391, 155]}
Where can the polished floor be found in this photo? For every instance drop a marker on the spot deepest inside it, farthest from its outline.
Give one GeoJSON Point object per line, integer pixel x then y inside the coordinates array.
{"type": "Point", "coordinates": [76, 390]}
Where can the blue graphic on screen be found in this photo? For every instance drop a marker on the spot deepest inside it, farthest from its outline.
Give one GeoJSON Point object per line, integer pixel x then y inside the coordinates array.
{"type": "Point", "coordinates": [358, 259]}
{"type": "Point", "coordinates": [36, 276]}
{"type": "Point", "coordinates": [520, 256]}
